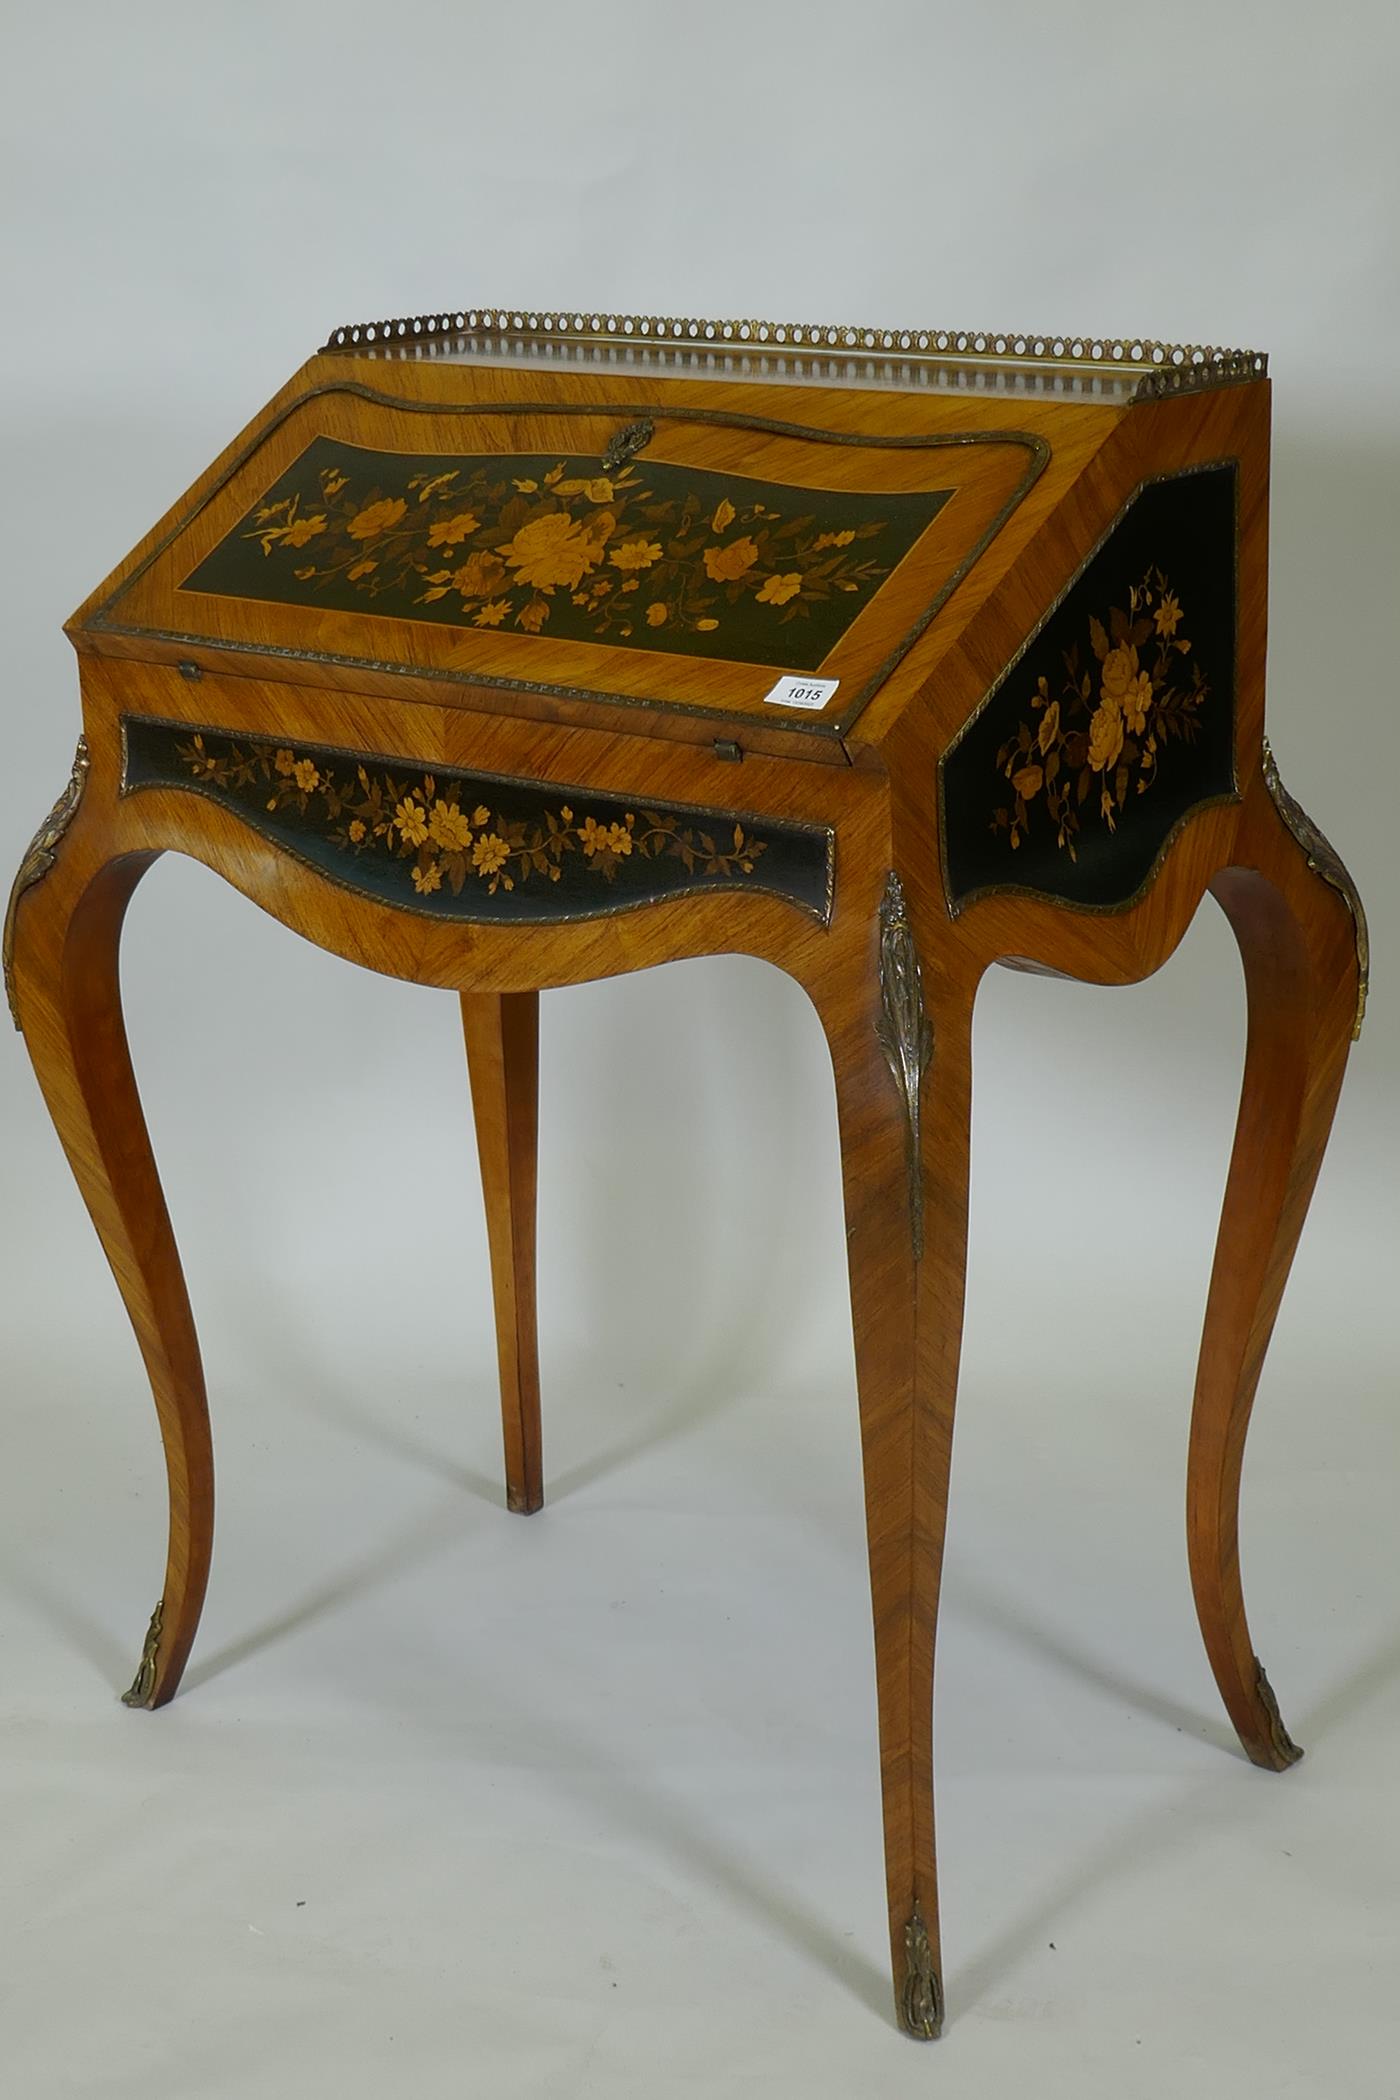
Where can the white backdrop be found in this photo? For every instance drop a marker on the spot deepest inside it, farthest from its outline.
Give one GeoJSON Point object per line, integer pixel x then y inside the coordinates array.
{"type": "Point", "coordinates": [587, 1805]}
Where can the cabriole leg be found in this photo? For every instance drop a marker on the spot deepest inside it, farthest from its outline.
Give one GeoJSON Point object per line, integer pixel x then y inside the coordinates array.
{"type": "Point", "coordinates": [903, 1096]}
{"type": "Point", "coordinates": [62, 937]}
{"type": "Point", "coordinates": [1301, 934]}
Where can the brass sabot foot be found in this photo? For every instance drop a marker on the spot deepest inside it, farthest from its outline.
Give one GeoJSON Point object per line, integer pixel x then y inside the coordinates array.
{"type": "Point", "coordinates": [1285, 1750]}
{"type": "Point", "coordinates": [143, 1685]}
{"type": "Point", "coordinates": [921, 2000]}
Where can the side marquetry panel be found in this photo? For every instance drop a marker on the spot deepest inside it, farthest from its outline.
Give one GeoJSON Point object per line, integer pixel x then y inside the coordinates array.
{"type": "Point", "coordinates": [478, 846]}
{"type": "Point", "coordinates": [1116, 720]}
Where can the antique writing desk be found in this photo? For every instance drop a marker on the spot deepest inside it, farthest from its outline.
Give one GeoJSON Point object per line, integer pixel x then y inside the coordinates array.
{"type": "Point", "coordinates": [513, 650]}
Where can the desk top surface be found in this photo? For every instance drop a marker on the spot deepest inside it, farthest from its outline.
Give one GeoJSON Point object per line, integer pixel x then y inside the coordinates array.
{"type": "Point", "coordinates": [741, 523]}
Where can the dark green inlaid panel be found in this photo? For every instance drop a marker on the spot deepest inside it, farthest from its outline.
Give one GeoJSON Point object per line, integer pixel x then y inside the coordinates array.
{"type": "Point", "coordinates": [651, 556]}
{"type": "Point", "coordinates": [475, 846]}
{"type": "Point", "coordinates": [1116, 720]}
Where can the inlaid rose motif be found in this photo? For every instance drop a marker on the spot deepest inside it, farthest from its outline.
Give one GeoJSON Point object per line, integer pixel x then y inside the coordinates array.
{"type": "Point", "coordinates": [1098, 739]}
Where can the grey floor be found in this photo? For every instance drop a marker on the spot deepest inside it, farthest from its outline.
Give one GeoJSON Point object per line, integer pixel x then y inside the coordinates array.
{"type": "Point", "coordinates": [586, 1804]}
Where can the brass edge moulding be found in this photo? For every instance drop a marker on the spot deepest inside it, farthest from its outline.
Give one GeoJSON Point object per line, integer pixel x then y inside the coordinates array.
{"type": "Point", "coordinates": [921, 2000]}
{"type": "Point", "coordinates": [1324, 860]}
{"type": "Point", "coordinates": [905, 1035]}
{"type": "Point", "coordinates": [1169, 367]}
{"type": "Point", "coordinates": [42, 853]}
{"type": "Point", "coordinates": [1285, 1749]}
{"type": "Point", "coordinates": [144, 1682]}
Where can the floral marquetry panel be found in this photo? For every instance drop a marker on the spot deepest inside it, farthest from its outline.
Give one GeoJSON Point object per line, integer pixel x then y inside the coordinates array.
{"type": "Point", "coordinates": [1117, 719]}
{"type": "Point", "coordinates": [645, 554]}
{"type": "Point", "coordinates": [475, 846]}
{"type": "Point", "coordinates": [657, 556]}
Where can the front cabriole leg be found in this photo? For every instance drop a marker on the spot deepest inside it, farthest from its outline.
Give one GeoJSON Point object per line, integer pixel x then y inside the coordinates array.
{"type": "Point", "coordinates": [903, 1086]}
{"type": "Point", "coordinates": [62, 934]}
